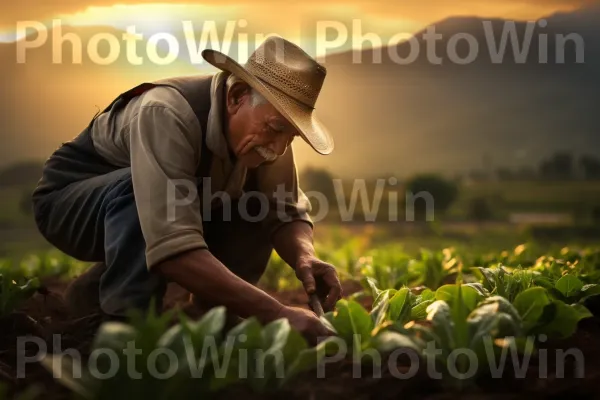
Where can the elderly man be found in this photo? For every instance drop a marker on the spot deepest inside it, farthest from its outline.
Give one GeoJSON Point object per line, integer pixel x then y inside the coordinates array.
{"type": "Point", "coordinates": [192, 180]}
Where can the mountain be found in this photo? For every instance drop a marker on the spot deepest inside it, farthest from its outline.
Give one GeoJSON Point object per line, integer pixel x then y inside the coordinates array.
{"type": "Point", "coordinates": [450, 117]}
{"type": "Point", "coordinates": [385, 117]}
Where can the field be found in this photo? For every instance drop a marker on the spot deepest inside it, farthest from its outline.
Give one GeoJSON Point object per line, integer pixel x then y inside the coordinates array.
{"type": "Point", "coordinates": [536, 303]}
{"type": "Point", "coordinates": [478, 291]}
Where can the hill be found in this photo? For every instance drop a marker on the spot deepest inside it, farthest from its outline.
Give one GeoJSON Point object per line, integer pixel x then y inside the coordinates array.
{"type": "Point", "coordinates": [424, 116]}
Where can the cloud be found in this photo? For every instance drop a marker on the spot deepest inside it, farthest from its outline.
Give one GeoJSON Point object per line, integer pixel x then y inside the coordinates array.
{"type": "Point", "coordinates": [42, 10]}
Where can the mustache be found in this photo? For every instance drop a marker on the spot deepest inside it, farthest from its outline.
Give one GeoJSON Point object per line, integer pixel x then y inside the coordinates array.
{"type": "Point", "coordinates": [265, 153]}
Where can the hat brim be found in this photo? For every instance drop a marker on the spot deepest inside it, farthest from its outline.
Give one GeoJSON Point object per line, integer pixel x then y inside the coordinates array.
{"type": "Point", "coordinates": [302, 117]}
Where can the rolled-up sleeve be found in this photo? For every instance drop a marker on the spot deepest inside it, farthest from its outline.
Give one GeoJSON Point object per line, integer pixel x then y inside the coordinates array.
{"type": "Point", "coordinates": [163, 166]}
{"type": "Point", "coordinates": [278, 181]}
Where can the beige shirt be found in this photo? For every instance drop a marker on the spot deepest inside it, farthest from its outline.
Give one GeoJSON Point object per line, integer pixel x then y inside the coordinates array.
{"type": "Point", "coordinates": [158, 135]}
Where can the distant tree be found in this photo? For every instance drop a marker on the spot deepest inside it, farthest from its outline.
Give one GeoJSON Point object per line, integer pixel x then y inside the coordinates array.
{"type": "Point", "coordinates": [318, 180]}
{"type": "Point", "coordinates": [523, 173]}
{"type": "Point", "coordinates": [479, 209]}
{"type": "Point", "coordinates": [478, 176]}
{"type": "Point", "coordinates": [590, 167]}
{"type": "Point", "coordinates": [504, 174]}
{"type": "Point", "coordinates": [559, 166]}
{"type": "Point", "coordinates": [429, 186]}
{"type": "Point", "coordinates": [526, 173]}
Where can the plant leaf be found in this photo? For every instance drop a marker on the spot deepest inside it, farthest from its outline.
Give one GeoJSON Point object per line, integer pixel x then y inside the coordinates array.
{"type": "Point", "coordinates": [211, 323]}
{"type": "Point", "coordinates": [426, 295]}
{"type": "Point", "coordinates": [530, 304]}
{"type": "Point", "coordinates": [487, 277]}
{"type": "Point", "coordinates": [450, 293]}
{"type": "Point", "coordinates": [565, 320]}
{"type": "Point", "coordinates": [388, 341]}
{"type": "Point", "coordinates": [375, 291]}
{"type": "Point", "coordinates": [400, 305]}
{"type": "Point", "coordinates": [327, 320]}
{"type": "Point", "coordinates": [352, 319]}
{"type": "Point", "coordinates": [247, 336]}
{"type": "Point", "coordinates": [114, 336]}
{"type": "Point", "coordinates": [569, 285]}
{"type": "Point", "coordinates": [503, 306]}
{"type": "Point", "coordinates": [589, 291]}
{"type": "Point", "coordinates": [307, 359]}
{"type": "Point", "coordinates": [442, 324]}
{"type": "Point", "coordinates": [489, 321]}
{"type": "Point", "coordinates": [379, 313]}
{"type": "Point", "coordinates": [483, 292]}
{"type": "Point", "coordinates": [419, 312]}
{"type": "Point", "coordinates": [62, 367]}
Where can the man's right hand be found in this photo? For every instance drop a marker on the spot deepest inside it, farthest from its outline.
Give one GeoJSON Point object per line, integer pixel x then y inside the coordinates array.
{"type": "Point", "coordinates": [201, 273]}
{"type": "Point", "coordinates": [306, 322]}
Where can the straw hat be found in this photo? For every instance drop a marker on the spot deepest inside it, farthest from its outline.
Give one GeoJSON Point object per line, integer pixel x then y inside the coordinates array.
{"type": "Point", "coordinates": [289, 79]}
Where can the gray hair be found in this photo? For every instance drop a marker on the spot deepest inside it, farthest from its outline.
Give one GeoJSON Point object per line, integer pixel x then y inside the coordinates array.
{"type": "Point", "coordinates": [256, 97]}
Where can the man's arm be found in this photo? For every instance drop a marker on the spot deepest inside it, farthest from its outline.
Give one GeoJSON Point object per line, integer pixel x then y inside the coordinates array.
{"type": "Point", "coordinates": [290, 229]}
{"type": "Point", "coordinates": [201, 273]}
{"type": "Point", "coordinates": [294, 244]}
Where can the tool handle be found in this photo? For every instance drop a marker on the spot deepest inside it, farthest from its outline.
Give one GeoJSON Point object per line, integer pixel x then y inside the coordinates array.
{"type": "Point", "coordinates": [315, 304]}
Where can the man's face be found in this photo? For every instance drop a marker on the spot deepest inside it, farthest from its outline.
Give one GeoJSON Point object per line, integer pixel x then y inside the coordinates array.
{"type": "Point", "coordinates": [256, 134]}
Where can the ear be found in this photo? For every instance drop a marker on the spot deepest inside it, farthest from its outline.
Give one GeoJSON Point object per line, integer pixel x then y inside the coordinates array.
{"type": "Point", "coordinates": [236, 96]}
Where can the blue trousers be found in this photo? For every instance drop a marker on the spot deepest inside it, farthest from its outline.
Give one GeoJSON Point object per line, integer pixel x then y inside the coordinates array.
{"type": "Point", "coordinates": [86, 208]}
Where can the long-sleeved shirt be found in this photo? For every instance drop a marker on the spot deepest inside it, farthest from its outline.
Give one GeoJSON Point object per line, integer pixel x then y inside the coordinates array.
{"type": "Point", "coordinates": [158, 135]}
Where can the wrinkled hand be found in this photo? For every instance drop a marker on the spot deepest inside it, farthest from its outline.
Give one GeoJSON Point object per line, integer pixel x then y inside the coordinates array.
{"type": "Point", "coordinates": [321, 278]}
{"type": "Point", "coordinates": [306, 322]}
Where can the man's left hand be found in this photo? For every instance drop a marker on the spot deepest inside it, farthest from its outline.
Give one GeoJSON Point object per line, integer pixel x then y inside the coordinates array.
{"type": "Point", "coordinates": [320, 277]}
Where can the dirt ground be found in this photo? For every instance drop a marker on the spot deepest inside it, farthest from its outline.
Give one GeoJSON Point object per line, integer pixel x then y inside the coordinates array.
{"type": "Point", "coordinates": [45, 314]}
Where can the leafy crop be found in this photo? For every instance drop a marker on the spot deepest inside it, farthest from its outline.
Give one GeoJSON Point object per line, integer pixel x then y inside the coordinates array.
{"type": "Point", "coordinates": [14, 290]}
{"type": "Point", "coordinates": [475, 317]}
{"type": "Point", "coordinates": [198, 358]}
{"type": "Point", "coordinates": [453, 300]}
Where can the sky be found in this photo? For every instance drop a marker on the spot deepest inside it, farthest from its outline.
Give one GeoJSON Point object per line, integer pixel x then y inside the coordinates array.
{"type": "Point", "coordinates": [413, 108]}
{"type": "Point", "coordinates": [309, 22]}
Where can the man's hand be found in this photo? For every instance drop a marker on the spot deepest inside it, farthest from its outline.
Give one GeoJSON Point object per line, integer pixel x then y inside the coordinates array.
{"type": "Point", "coordinates": [294, 243]}
{"type": "Point", "coordinates": [321, 278]}
{"type": "Point", "coordinates": [306, 322]}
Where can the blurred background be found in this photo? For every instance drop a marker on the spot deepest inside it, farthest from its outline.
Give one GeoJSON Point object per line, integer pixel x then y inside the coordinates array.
{"type": "Point", "coordinates": [509, 151]}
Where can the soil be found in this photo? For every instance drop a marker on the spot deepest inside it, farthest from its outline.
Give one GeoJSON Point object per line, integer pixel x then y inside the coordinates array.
{"type": "Point", "coordinates": [45, 314]}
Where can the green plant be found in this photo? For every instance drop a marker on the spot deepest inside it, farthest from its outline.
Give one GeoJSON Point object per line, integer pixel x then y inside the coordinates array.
{"type": "Point", "coordinates": [51, 264]}
{"type": "Point", "coordinates": [200, 359]}
{"type": "Point", "coordinates": [432, 269]}
{"type": "Point", "coordinates": [453, 318]}
{"type": "Point", "coordinates": [398, 306]}
{"type": "Point", "coordinates": [14, 290]}
{"type": "Point", "coordinates": [506, 283]}
{"type": "Point", "coordinates": [388, 266]}
{"type": "Point", "coordinates": [360, 331]}
{"type": "Point", "coordinates": [543, 314]}
{"type": "Point", "coordinates": [462, 319]}
{"type": "Point", "coordinates": [279, 275]}
{"type": "Point", "coordinates": [572, 289]}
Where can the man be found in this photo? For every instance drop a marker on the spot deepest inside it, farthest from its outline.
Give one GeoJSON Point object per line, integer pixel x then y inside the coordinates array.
{"type": "Point", "coordinates": [123, 192]}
